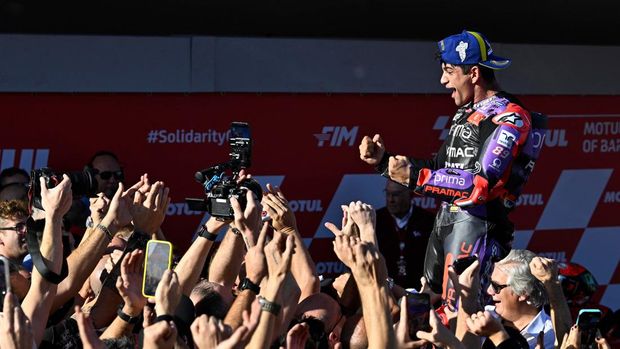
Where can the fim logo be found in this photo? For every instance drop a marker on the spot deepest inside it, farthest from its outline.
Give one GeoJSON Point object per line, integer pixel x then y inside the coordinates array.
{"type": "Point", "coordinates": [28, 158]}
{"type": "Point", "coordinates": [335, 136]}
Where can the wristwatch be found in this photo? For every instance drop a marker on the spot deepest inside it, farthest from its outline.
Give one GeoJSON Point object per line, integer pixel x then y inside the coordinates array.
{"type": "Point", "coordinates": [204, 233]}
{"type": "Point", "coordinates": [270, 307]}
{"type": "Point", "coordinates": [247, 284]}
{"type": "Point", "coordinates": [128, 318]}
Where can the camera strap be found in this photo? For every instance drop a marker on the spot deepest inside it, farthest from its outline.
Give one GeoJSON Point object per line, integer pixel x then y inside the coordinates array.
{"type": "Point", "coordinates": [35, 252]}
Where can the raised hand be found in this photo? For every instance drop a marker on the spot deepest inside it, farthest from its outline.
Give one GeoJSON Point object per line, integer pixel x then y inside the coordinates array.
{"type": "Point", "coordinates": [572, 340]}
{"type": "Point", "coordinates": [484, 324]}
{"type": "Point", "coordinates": [343, 247]}
{"type": "Point", "coordinates": [349, 228]}
{"type": "Point", "coordinates": [129, 283]}
{"type": "Point", "coordinates": [248, 220]}
{"type": "Point", "coordinates": [439, 335]}
{"type": "Point", "coordinates": [161, 335]}
{"type": "Point", "coordinates": [149, 209]}
{"type": "Point", "coordinates": [88, 335]}
{"type": "Point", "coordinates": [255, 262]}
{"type": "Point", "coordinates": [544, 269]}
{"type": "Point", "coordinates": [119, 213]}
{"type": "Point", "coordinates": [297, 336]}
{"type": "Point", "coordinates": [403, 339]}
{"type": "Point", "coordinates": [399, 169]}
{"type": "Point", "coordinates": [372, 149]}
{"type": "Point", "coordinates": [467, 285]}
{"type": "Point", "coordinates": [208, 332]}
{"type": "Point", "coordinates": [98, 208]}
{"type": "Point", "coordinates": [168, 294]}
{"type": "Point", "coordinates": [277, 206]}
{"type": "Point", "coordinates": [15, 328]}
{"type": "Point", "coordinates": [278, 261]}
{"type": "Point", "coordinates": [56, 201]}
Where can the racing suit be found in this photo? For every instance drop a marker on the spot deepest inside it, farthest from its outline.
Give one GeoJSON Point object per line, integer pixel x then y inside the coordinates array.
{"type": "Point", "coordinates": [478, 174]}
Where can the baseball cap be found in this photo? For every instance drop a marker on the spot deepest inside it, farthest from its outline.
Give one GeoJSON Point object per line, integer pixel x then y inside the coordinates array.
{"type": "Point", "coordinates": [470, 47]}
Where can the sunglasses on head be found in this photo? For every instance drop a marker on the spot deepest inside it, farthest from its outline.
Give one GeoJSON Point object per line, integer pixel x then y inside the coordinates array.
{"type": "Point", "coordinates": [105, 175]}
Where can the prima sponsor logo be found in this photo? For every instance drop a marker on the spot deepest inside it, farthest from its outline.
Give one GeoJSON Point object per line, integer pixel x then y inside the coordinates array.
{"type": "Point", "coordinates": [336, 136]}
{"type": "Point", "coordinates": [467, 152]}
{"type": "Point", "coordinates": [444, 179]}
{"type": "Point", "coordinates": [463, 131]}
{"type": "Point", "coordinates": [26, 159]}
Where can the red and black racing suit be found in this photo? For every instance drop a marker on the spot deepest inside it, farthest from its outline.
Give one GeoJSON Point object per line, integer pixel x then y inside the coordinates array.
{"type": "Point", "coordinates": [478, 173]}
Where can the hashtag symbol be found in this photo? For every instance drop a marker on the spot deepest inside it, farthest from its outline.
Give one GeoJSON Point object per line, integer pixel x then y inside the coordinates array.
{"type": "Point", "coordinates": [152, 137]}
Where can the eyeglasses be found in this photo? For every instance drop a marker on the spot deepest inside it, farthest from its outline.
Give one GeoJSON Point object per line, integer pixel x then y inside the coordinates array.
{"type": "Point", "coordinates": [497, 288]}
{"type": "Point", "coordinates": [105, 175]}
{"type": "Point", "coordinates": [19, 227]}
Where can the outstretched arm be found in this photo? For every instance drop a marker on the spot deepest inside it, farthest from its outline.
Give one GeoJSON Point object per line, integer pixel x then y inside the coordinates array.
{"type": "Point", "coordinates": [38, 302]}
{"type": "Point", "coordinates": [546, 270]}
{"type": "Point", "coordinates": [302, 268]}
{"type": "Point", "coordinates": [83, 260]}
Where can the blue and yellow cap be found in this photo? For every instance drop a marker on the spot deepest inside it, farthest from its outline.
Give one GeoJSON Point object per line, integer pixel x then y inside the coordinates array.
{"type": "Point", "coordinates": [470, 48]}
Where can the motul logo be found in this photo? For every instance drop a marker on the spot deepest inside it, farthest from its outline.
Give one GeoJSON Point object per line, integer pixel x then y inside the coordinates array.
{"type": "Point", "coordinates": [335, 136]}
{"type": "Point", "coordinates": [26, 159]}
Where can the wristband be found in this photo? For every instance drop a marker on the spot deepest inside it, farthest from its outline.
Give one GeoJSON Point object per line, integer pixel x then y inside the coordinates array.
{"type": "Point", "coordinates": [270, 307]}
{"type": "Point", "coordinates": [204, 233]}
{"type": "Point", "coordinates": [128, 318]}
{"type": "Point", "coordinates": [105, 229]}
{"type": "Point", "coordinates": [247, 284]}
{"type": "Point", "coordinates": [164, 318]}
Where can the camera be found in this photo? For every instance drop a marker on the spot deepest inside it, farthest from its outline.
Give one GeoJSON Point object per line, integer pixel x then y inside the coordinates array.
{"type": "Point", "coordinates": [83, 183]}
{"type": "Point", "coordinates": [220, 187]}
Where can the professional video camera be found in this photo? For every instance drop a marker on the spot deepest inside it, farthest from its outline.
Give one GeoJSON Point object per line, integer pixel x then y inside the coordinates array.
{"type": "Point", "coordinates": [219, 186]}
{"type": "Point", "coordinates": [83, 183]}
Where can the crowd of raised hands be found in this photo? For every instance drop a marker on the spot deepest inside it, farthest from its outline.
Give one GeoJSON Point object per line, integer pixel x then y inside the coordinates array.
{"type": "Point", "coordinates": [260, 290]}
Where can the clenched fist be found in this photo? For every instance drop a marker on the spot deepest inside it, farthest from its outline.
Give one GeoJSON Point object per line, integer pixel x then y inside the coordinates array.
{"type": "Point", "coordinates": [372, 149]}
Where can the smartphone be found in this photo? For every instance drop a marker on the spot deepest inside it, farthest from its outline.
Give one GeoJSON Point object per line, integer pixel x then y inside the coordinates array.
{"type": "Point", "coordinates": [588, 320]}
{"type": "Point", "coordinates": [418, 308]}
{"type": "Point", "coordinates": [240, 144]}
{"type": "Point", "coordinates": [463, 263]}
{"type": "Point", "coordinates": [158, 260]}
{"type": "Point", "coordinates": [5, 280]}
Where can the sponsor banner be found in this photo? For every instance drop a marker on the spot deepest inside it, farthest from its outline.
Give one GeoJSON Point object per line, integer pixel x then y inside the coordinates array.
{"type": "Point", "coordinates": [309, 145]}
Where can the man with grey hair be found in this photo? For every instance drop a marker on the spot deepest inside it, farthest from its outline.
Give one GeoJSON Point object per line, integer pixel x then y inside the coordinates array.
{"type": "Point", "coordinates": [518, 297]}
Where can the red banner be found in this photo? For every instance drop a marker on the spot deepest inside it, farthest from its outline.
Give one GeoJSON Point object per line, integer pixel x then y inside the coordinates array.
{"type": "Point", "coordinates": [308, 144]}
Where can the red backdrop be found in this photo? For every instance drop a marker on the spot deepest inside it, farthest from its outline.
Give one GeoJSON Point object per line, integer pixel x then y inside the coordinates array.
{"type": "Point", "coordinates": [308, 143]}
